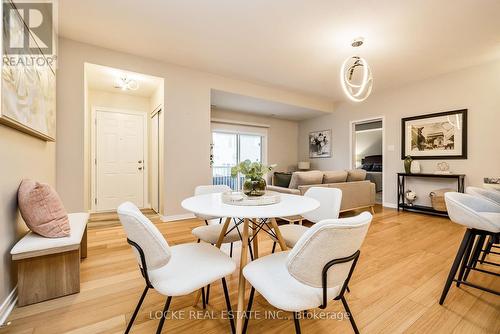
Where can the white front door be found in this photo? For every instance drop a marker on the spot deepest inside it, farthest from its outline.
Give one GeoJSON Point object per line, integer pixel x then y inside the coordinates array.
{"type": "Point", "coordinates": [119, 160]}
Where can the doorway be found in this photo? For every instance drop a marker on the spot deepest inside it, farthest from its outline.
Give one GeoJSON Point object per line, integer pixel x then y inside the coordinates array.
{"type": "Point", "coordinates": [124, 126]}
{"type": "Point", "coordinates": [367, 151]}
{"type": "Point", "coordinates": [120, 158]}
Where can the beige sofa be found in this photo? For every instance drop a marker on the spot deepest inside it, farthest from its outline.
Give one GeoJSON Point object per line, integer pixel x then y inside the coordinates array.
{"type": "Point", "coordinates": [357, 192]}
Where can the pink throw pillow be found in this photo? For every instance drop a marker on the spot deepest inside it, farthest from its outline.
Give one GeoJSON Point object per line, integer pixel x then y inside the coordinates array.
{"type": "Point", "coordinates": [42, 209]}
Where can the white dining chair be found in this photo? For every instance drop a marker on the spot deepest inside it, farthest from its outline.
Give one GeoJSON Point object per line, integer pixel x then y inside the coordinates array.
{"type": "Point", "coordinates": [329, 199]}
{"type": "Point", "coordinates": [210, 189]}
{"type": "Point", "coordinates": [481, 217]}
{"type": "Point", "coordinates": [493, 240]}
{"type": "Point", "coordinates": [316, 270]}
{"type": "Point", "coordinates": [172, 271]}
{"type": "Point", "coordinates": [210, 232]}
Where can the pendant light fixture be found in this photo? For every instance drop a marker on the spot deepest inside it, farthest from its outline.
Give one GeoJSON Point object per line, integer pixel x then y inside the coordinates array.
{"type": "Point", "coordinates": [356, 76]}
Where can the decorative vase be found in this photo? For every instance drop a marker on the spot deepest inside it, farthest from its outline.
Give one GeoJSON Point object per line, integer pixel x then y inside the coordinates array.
{"type": "Point", "coordinates": [254, 187]}
{"type": "Point", "coordinates": [415, 167]}
{"type": "Point", "coordinates": [407, 162]}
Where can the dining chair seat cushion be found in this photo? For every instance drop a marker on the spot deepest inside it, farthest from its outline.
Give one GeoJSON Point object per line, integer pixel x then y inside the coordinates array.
{"type": "Point", "coordinates": [191, 267]}
{"type": "Point", "coordinates": [291, 233]}
{"type": "Point", "coordinates": [210, 233]}
{"type": "Point", "coordinates": [270, 277]}
{"type": "Point", "coordinates": [473, 212]}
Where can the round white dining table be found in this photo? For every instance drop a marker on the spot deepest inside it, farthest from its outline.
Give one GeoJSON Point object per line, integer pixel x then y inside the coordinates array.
{"type": "Point", "coordinates": [212, 205]}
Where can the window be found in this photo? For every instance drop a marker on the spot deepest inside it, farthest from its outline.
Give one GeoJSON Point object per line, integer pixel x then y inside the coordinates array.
{"type": "Point", "coordinates": [231, 147]}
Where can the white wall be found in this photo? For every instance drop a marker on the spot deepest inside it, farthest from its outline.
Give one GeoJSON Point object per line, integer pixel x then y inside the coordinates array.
{"type": "Point", "coordinates": [187, 110]}
{"type": "Point", "coordinates": [22, 156]}
{"type": "Point", "coordinates": [475, 88]}
{"type": "Point", "coordinates": [281, 138]}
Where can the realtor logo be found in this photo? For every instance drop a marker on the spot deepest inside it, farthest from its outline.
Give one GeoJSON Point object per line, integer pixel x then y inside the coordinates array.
{"type": "Point", "coordinates": [28, 28]}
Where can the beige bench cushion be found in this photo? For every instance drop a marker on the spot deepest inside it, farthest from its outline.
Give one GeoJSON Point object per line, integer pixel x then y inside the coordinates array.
{"type": "Point", "coordinates": [32, 244]}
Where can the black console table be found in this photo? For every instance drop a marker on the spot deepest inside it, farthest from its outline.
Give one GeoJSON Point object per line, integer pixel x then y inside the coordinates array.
{"type": "Point", "coordinates": [422, 208]}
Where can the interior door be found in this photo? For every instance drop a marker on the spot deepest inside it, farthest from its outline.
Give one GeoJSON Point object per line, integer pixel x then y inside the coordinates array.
{"type": "Point", "coordinates": [155, 176]}
{"type": "Point", "coordinates": [119, 160]}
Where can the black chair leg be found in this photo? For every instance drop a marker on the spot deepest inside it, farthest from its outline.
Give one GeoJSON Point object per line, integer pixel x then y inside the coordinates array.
{"type": "Point", "coordinates": [351, 318]}
{"type": "Point", "coordinates": [487, 249]}
{"type": "Point", "coordinates": [296, 321]}
{"type": "Point", "coordinates": [456, 263]}
{"type": "Point", "coordinates": [274, 247]}
{"type": "Point", "coordinates": [249, 308]}
{"type": "Point", "coordinates": [207, 294]}
{"type": "Point", "coordinates": [250, 249]}
{"type": "Point", "coordinates": [347, 288]}
{"type": "Point", "coordinates": [203, 300]}
{"type": "Point", "coordinates": [163, 315]}
{"type": "Point", "coordinates": [198, 241]}
{"type": "Point", "coordinates": [231, 250]}
{"type": "Point", "coordinates": [228, 305]}
{"type": "Point", "coordinates": [139, 304]}
{"type": "Point", "coordinates": [475, 256]}
{"type": "Point", "coordinates": [466, 257]}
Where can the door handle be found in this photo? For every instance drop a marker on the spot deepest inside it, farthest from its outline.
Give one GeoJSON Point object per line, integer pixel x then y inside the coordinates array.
{"type": "Point", "coordinates": [139, 168]}
{"type": "Point", "coordinates": [139, 162]}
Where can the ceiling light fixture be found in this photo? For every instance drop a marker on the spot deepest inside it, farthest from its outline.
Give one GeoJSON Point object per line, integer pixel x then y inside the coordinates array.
{"type": "Point", "coordinates": [356, 91]}
{"type": "Point", "coordinates": [125, 83]}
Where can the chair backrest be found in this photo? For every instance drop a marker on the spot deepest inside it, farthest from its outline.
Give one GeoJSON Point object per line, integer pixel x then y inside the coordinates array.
{"type": "Point", "coordinates": [329, 199]}
{"type": "Point", "coordinates": [473, 212]}
{"type": "Point", "coordinates": [325, 241]}
{"type": "Point", "coordinates": [490, 195]}
{"type": "Point", "coordinates": [211, 189]}
{"type": "Point", "coordinates": [143, 232]}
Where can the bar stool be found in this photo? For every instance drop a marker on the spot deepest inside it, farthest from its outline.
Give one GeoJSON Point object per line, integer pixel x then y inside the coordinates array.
{"type": "Point", "coordinates": [482, 218]}
{"type": "Point", "coordinates": [493, 241]}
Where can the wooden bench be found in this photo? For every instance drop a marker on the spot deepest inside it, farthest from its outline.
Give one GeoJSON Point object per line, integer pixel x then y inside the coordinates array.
{"type": "Point", "coordinates": [48, 268]}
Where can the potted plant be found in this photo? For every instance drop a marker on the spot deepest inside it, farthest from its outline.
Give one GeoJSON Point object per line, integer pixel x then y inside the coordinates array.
{"type": "Point", "coordinates": [254, 184]}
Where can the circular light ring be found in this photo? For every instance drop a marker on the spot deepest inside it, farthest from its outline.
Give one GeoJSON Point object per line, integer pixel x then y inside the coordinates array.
{"type": "Point", "coordinates": [355, 92]}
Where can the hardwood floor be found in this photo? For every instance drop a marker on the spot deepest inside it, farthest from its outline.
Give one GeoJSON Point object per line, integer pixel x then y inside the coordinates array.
{"type": "Point", "coordinates": [395, 288]}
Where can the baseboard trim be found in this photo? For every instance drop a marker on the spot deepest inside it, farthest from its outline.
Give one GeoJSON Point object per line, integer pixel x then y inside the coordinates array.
{"type": "Point", "coordinates": [172, 218]}
{"type": "Point", "coordinates": [390, 205]}
{"type": "Point", "coordinates": [8, 305]}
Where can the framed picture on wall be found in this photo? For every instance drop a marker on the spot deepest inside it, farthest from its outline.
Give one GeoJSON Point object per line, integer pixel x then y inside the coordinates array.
{"type": "Point", "coordinates": [435, 136]}
{"type": "Point", "coordinates": [28, 78]}
{"type": "Point", "coordinates": [320, 144]}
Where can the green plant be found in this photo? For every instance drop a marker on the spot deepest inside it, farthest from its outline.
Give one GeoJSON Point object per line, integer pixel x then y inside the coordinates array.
{"type": "Point", "coordinates": [251, 170]}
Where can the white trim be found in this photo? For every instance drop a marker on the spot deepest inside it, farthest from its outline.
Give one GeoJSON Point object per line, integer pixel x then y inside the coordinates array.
{"type": "Point", "coordinates": [230, 121]}
{"type": "Point", "coordinates": [351, 149]}
{"type": "Point", "coordinates": [93, 151]}
{"type": "Point", "coordinates": [368, 130]}
{"type": "Point", "coordinates": [8, 305]}
{"type": "Point", "coordinates": [172, 218]}
{"type": "Point", "coordinates": [389, 205]}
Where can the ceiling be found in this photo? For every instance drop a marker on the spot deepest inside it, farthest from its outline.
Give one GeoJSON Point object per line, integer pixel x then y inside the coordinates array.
{"type": "Point", "coordinates": [252, 105]}
{"type": "Point", "coordinates": [294, 44]}
{"type": "Point", "coordinates": [103, 78]}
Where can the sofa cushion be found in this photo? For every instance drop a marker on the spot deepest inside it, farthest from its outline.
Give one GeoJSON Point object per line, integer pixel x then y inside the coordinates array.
{"type": "Point", "coordinates": [282, 179]}
{"type": "Point", "coordinates": [334, 176]}
{"type": "Point", "coordinates": [305, 178]}
{"type": "Point", "coordinates": [42, 209]}
{"type": "Point", "coordinates": [356, 175]}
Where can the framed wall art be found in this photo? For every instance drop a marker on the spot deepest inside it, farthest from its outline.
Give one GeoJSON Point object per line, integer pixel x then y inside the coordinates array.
{"type": "Point", "coordinates": [320, 144]}
{"type": "Point", "coordinates": [440, 135]}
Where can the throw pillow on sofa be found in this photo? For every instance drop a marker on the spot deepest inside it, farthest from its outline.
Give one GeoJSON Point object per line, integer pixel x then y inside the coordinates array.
{"type": "Point", "coordinates": [305, 178]}
{"type": "Point", "coordinates": [282, 179]}
{"type": "Point", "coordinates": [356, 175]}
{"type": "Point", "coordinates": [42, 209]}
{"type": "Point", "coordinates": [334, 176]}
